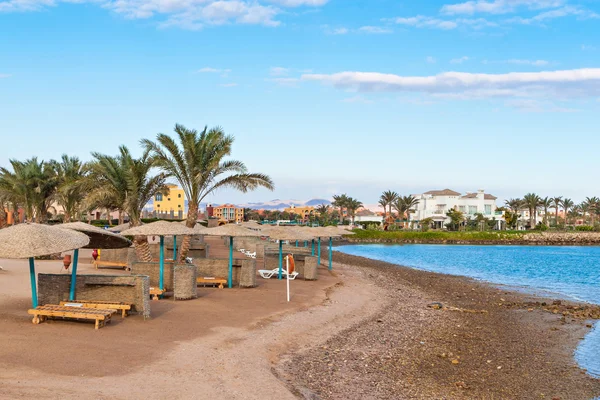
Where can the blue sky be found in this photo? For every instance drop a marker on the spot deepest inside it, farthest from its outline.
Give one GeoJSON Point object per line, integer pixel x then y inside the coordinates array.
{"type": "Point", "coordinates": [325, 96]}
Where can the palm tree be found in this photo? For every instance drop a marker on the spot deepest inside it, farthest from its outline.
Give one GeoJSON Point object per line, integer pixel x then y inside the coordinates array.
{"type": "Point", "coordinates": [532, 201]}
{"type": "Point", "coordinates": [387, 198]}
{"type": "Point", "coordinates": [593, 206]}
{"type": "Point", "coordinates": [197, 161]}
{"type": "Point", "coordinates": [70, 193]}
{"type": "Point", "coordinates": [556, 203]}
{"type": "Point", "coordinates": [567, 204]}
{"type": "Point", "coordinates": [340, 202]}
{"type": "Point", "coordinates": [32, 184]}
{"type": "Point", "coordinates": [133, 177]}
{"type": "Point", "coordinates": [400, 206]}
{"type": "Point", "coordinates": [546, 203]}
{"type": "Point", "coordinates": [352, 205]}
{"type": "Point", "coordinates": [410, 202]}
{"type": "Point", "coordinates": [322, 209]}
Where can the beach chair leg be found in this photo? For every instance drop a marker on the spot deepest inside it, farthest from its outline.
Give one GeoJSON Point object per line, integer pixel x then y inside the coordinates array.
{"type": "Point", "coordinates": [97, 324]}
{"type": "Point", "coordinates": [220, 286]}
{"type": "Point", "coordinates": [36, 319]}
{"type": "Point", "coordinates": [123, 313]}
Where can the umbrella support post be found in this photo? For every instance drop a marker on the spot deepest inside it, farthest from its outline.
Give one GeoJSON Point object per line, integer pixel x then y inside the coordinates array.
{"type": "Point", "coordinates": [34, 298]}
{"type": "Point", "coordinates": [319, 252]}
{"type": "Point", "coordinates": [74, 275]}
{"type": "Point", "coordinates": [230, 262]}
{"type": "Point", "coordinates": [280, 259]}
{"type": "Point", "coordinates": [312, 253]}
{"type": "Point", "coordinates": [174, 248]}
{"type": "Point", "coordinates": [330, 253]}
{"type": "Point", "coordinates": [296, 243]}
{"type": "Point", "coordinates": [161, 276]}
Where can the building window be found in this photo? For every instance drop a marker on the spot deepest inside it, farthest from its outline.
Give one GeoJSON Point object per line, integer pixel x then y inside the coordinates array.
{"type": "Point", "coordinates": [178, 205]}
{"type": "Point", "coordinates": [488, 209]}
{"type": "Point", "coordinates": [168, 199]}
{"type": "Point", "coordinates": [158, 206]}
{"type": "Point", "coordinates": [179, 195]}
{"type": "Point", "coordinates": [158, 197]}
{"type": "Point", "coordinates": [472, 210]}
{"type": "Point", "coordinates": [462, 209]}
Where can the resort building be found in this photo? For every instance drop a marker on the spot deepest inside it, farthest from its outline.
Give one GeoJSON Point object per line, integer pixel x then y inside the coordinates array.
{"type": "Point", "coordinates": [304, 212]}
{"type": "Point", "coordinates": [436, 203]}
{"type": "Point", "coordinates": [170, 205]}
{"type": "Point", "coordinates": [366, 216]}
{"type": "Point", "coordinates": [226, 213]}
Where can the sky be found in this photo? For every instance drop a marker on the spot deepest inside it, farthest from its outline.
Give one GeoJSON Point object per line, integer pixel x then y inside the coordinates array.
{"type": "Point", "coordinates": [325, 96]}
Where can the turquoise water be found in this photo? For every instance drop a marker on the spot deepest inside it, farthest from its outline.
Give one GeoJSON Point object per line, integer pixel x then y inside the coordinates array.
{"type": "Point", "coordinates": [567, 272]}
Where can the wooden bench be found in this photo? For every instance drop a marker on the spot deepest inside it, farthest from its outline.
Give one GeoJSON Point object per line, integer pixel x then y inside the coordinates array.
{"type": "Point", "coordinates": [209, 280]}
{"type": "Point", "coordinates": [103, 305]}
{"type": "Point", "coordinates": [109, 264]}
{"type": "Point", "coordinates": [156, 292]}
{"type": "Point", "coordinates": [41, 313]}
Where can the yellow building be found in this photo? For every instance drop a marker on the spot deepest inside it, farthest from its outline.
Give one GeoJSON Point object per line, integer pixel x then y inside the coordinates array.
{"type": "Point", "coordinates": [226, 213]}
{"type": "Point", "coordinates": [174, 201]}
{"type": "Point", "coordinates": [303, 212]}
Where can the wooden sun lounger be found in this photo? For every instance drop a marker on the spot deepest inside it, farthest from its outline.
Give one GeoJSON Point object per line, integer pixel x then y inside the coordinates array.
{"type": "Point", "coordinates": [156, 292]}
{"type": "Point", "coordinates": [103, 305]}
{"type": "Point", "coordinates": [209, 280]}
{"type": "Point", "coordinates": [41, 313]}
{"type": "Point", "coordinates": [98, 263]}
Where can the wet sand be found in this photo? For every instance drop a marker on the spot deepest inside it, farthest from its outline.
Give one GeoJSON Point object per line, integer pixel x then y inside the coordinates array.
{"type": "Point", "coordinates": [363, 331]}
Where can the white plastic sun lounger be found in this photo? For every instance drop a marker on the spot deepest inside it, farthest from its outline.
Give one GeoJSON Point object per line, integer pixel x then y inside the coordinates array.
{"type": "Point", "coordinates": [269, 273]}
{"type": "Point", "coordinates": [251, 255]}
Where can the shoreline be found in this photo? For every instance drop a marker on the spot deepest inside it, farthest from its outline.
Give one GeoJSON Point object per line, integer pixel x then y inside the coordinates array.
{"type": "Point", "coordinates": [481, 344]}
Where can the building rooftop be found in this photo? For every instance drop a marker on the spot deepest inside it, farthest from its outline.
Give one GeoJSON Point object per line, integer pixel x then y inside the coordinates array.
{"type": "Point", "coordinates": [444, 192]}
{"type": "Point", "coordinates": [365, 213]}
{"type": "Point", "coordinates": [486, 196]}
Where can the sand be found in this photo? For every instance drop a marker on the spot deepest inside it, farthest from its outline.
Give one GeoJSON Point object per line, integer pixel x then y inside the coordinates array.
{"type": "Point", "coordinates": [354, 333]}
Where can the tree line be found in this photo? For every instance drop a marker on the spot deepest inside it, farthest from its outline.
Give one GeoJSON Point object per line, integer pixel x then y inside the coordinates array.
{"type": "Point", "coordinates": [196, 160]}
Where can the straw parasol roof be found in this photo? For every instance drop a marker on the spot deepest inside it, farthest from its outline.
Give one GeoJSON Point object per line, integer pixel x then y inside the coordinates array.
{"type": "Point", "coordinates": [99, 238]}
{"type": "Point", "coordinates": [233, 230]}
{"type": "Point", "coordinates": [120, 228]}
{"type": "Point", "coordinates": [198, 229]}
{"type": "Point", "coordinates": [325, 232]}
{"type": "Point", "coordinates": [159, 228]}
{"type": "Point", "coordinates": [288, 233]}
{"type": "Point", "coordinates": [34, 240]}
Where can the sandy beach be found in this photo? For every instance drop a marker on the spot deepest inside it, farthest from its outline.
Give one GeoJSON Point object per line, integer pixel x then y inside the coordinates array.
{"type": "Point", "coordinates": [364, 331]}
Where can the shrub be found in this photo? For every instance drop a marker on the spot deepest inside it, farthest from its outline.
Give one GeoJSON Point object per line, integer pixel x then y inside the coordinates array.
{"type": "Point", "coordinates": [584, 228]}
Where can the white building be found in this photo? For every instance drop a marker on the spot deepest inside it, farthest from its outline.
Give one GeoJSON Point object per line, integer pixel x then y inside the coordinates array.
{"type": "Point", "coordinates": [436, 203]}
{"type": "Point", "coordinates": [366, 216]}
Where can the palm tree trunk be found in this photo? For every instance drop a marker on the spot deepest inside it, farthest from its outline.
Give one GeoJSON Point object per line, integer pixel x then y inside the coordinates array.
{"type": "Point", "coordinates": [556, 217]}
{"type": "Point", "coordinates": [190, 222]}
{"type": "Point", "coordinates": [67, 216]}
{"type": "Point", "coordinates": [142, 248]}
{"type": "Point", "coordinates": [121, 217]}
{"type": "Point", "coordinates": [531, 218]}
{"type": "Point", "coordinates": [3, 217]}
{"type": "Point", "coordinates": [108, 218]}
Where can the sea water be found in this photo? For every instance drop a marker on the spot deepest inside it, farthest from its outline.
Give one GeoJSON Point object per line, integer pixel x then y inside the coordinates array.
{"type": "Point", "coordinates": [571, 272]}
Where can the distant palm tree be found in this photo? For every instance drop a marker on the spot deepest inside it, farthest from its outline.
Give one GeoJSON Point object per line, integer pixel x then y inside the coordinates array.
{"type": "Point", "coordinates": [387, 199]}
{"type": "Point", "coordinates": [514, 204]}
{"type": "Point", "coordinates": [323, 209]}
{"type": "Point", "coordinates": [583, 208]}
{"type": "Point", "coordinates": [410, 202]}
{"type": "Point", "coordinates": [197, 160]}
{"type": "Point", "coordinates": [352, 205]}
{"type": "Point", "coordinates": [593, 204]}
{"type": "Point", "coordinates": [340, 201]}
{"type": "Point", "coordinates": [567, 204]}
{"type": "Point", "coordinates": [400, 206]}
{"type": "Point", "coordinates": [71, 191]}
{"type": "Point", "coordinates": [124, 172]}
{"type": "Point", "coordinates": [532, 201]}
{"type": "Point", "coordinates": [556, 203]}
{"type": "Point", "coordinates": [546, 203]}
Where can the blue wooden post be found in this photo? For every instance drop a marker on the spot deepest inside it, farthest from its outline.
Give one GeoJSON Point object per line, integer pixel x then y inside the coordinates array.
{"type": "Point", "coordinates": [230, 262]}
{"type": "Point", "coordinates": [312, 253]}
{"type": "Point", "coordinates": [305, 243]}
{"type": "Point", "coordinates": [34, 299]}
{"type": "Point", "coordinates": [330, 253]}
{"type": "Point", "coordinates": [280, 259]}
{"type": "Point", "coordinates": [296, 243]}
{"type": "Point", "coordinates": [74, 275]}
{"type": "Point", "coordinates": [161, 276]}
{"type": "Point", "coordinates": [174, 248]}
{"type": "Point", "coordinates": [319, 254]}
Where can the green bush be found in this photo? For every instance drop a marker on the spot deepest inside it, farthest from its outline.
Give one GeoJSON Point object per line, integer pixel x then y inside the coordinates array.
{"type": "Point", "coordinates": [584, 228]}
{"type": "Point", "coordinates": [438, 235]}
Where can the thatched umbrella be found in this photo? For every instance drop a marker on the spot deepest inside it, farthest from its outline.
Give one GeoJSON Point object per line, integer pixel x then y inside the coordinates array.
{"type": "Point", "coordinates": [99, 239]}
{"type": "Point", "coordinates": [162, 229]}
{"type": "Point", "coordinates": [120, 228]}
{"type": "Point", "coordinates": [34, 240]}
{"type": "Point", "coordinates": [232, 230]}
{"type": "Point", "coordinates": [328, 232]}
{"type": "Point", "coordinates": [286, 233]}
{"type": "Point", "coordinates": [198, 230]}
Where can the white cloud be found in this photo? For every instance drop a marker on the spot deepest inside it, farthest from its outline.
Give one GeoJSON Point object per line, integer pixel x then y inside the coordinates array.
{"type": "Point", "coordinates": [5, 76]}
{"type": "Point", "coordinates": [187, 14]}
{"type": "Point", "coordinates": [498, 6]}
{"type": "Point", "coordinates": [374, 30]}
{"type": "Point", "coordinates": [228, 85]}
{"type": "Point", "coordinates": [535, 63]}
{"type": "Point", "coordinates": [537, 106]}
{"type": "Point", "coordinates": [357, 99]}
{"type": "Point", "coordinates": [279, 71]}
{"type": "Point", "coordinates": [431, 60]}
{"type": "Point", "coordinates": [581, 83]}
{"type": "Point", "coordinates": [459, 60]}
{"type": "Point", "coordinates": [421, 21]}
{"type": "Point", "coordinates": [587, 47]}
{"type": "Point", "coordinates": [213, 70]}
{"type": "Point", "coordinates": [337, 31]}
{"type": "Point", "coordinates": [562, 12]}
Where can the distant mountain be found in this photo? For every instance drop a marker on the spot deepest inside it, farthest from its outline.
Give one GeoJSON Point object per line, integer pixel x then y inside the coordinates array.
{"type": "Point", "coordinates": [279, 204]}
